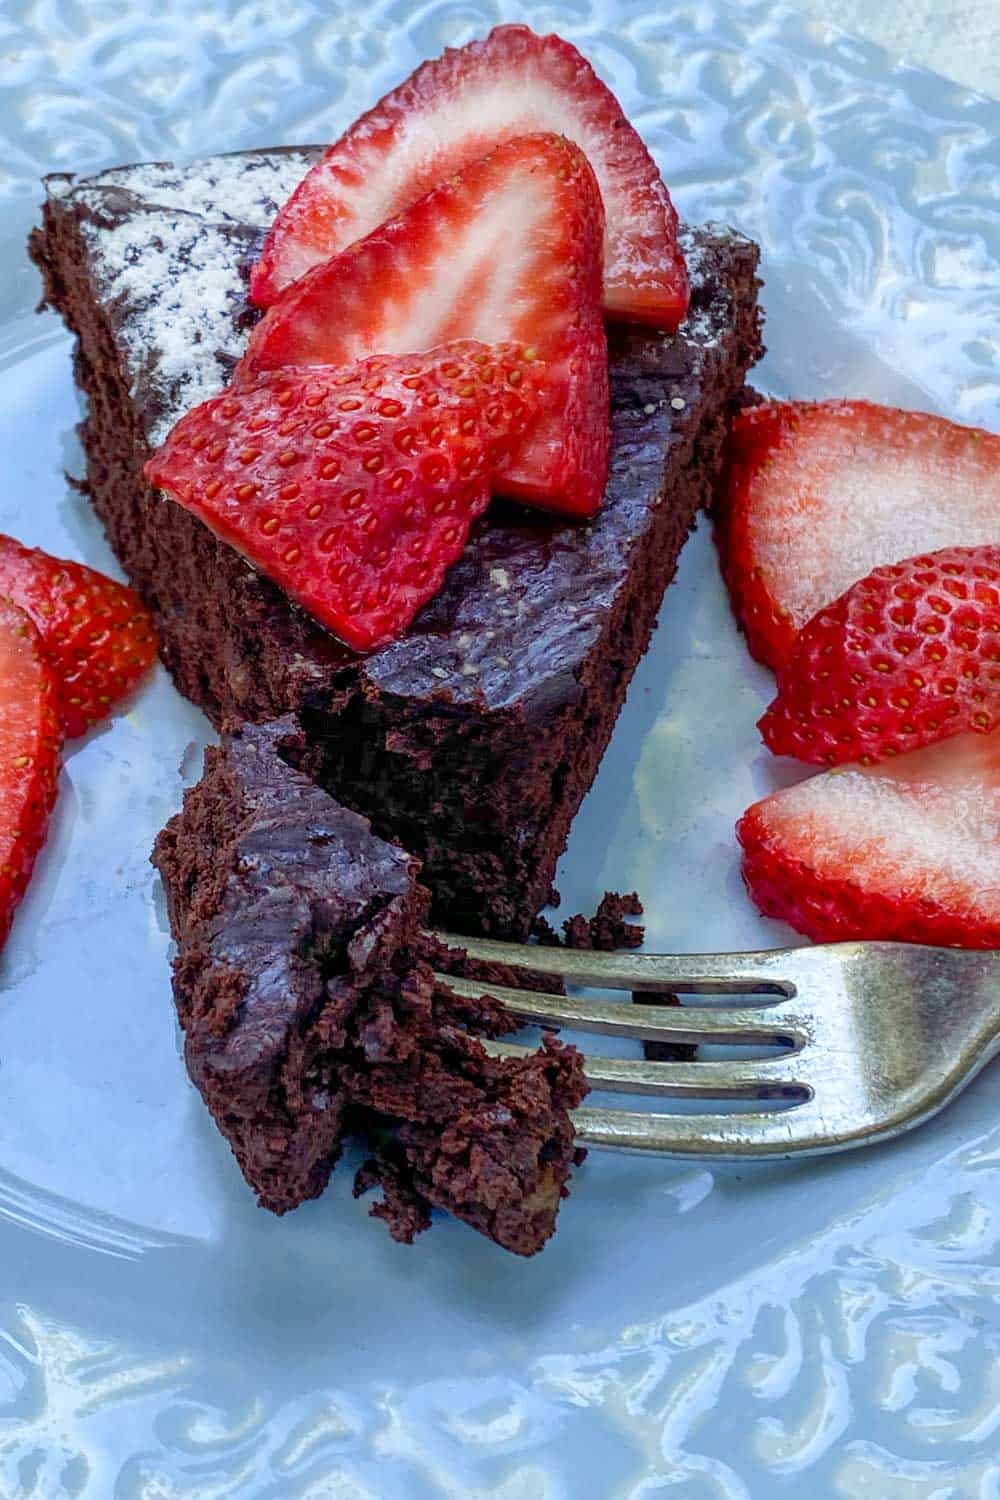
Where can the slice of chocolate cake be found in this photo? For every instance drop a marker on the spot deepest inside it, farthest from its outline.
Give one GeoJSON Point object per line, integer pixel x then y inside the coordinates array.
{"type": "Point", "coordinates": [474, 738]}
{"type": "Point", "coordinates": [309, 1010]}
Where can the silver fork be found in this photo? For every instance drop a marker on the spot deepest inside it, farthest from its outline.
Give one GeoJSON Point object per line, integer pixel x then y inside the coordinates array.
{"type": "Point", "coordinates": [877, 1038]}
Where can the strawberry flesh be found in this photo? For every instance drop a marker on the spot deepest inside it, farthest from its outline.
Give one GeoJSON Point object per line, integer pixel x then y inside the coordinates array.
{"type": "Point", "coordinates": [820, 494]}
{"type": "Point", "coordinates": [354, 489]}
{"type": "Point", "coordinates": [906, 657]}
{"type": "Point", "coordinates": [506, 251]}
{"type": "Point", "coordinates": [909, 850]}
{"type": "Point", "coordinates": [97, 634]}
{"type": "Point", "coordinates": [30, 744]}
{"type": "Point", "coordinates": [456, 109]}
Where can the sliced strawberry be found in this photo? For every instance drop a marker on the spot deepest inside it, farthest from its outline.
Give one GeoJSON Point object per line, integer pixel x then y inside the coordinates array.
{"type": "Point", "coordinates": [909, 655]}
{"type": "Point", "coordinates": [354, 489]}
{"type": "Point", "coordinates": [909, 850]}
{"type": "Point", "coordinates": [30, 742]}
{"type": "Point", "coordinates": [456, 109]}
{"type": "Point", "coordinates": [508, 250]}
{"type": "Point", "coordinates": [97, 633]}
{"type": "Point", "coordinates": [820, 494]}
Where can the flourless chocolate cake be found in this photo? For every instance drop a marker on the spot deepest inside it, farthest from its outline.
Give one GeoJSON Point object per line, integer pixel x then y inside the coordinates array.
{"type": "Point", "coordinates": [474, 738]}
{"type": "Point", "coordinates": [310, 1011]}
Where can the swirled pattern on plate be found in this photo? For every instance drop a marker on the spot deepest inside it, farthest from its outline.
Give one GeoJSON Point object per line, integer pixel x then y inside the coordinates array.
{"type": "Point", "coordinates": [864, 1364]}
{"type": "Point", "coordinates": [719, 1334]}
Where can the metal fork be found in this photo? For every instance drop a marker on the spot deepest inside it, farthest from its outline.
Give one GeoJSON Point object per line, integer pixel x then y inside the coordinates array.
{"type": "Point", "coordinates": [876, 1038]}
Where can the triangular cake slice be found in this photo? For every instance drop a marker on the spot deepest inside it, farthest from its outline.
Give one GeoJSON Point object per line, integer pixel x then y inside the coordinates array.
{"type": "Point", "coordinates": [474, 739]}
{"type": "Point", "coordinates": [310, 1011]}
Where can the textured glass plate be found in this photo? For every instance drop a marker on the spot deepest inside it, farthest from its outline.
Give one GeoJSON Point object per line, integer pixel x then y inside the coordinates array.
{"type": "Point", "coordinates": [828, 1328]}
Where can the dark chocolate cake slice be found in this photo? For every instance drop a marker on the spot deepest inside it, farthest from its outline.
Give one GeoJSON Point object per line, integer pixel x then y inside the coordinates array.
{"type": "Point", "coordinates": [474, 739]}
{"type": "Point", "coordinates": [309, 1010]}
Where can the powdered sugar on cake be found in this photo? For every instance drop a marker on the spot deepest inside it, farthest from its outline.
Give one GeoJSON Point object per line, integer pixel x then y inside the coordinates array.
{"type": "Point", "coordinates": [178, 325]}
{"type": "Point", "coordinates": [244, 188]}
{"type": "Point", "coordinates": [168, 245]}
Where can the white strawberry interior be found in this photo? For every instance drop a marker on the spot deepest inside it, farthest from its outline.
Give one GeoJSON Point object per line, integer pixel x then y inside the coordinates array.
{"type": "Point", "coordinates": [926, 825]}
{"type": "Point", "coordinates": [485, 284]}
{"type": "Point", "coordinates": [464, 126]}
{"type": "Point", "coordinates": [828, 509]}
{"type": "Point", "coordinates": [428, 146]}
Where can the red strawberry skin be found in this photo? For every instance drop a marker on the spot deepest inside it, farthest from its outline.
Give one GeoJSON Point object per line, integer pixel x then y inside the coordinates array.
{"type": "Point", "coordinates": [97, 634]}
{"type": "Point", "coordinates": [353, 489]}
{"type": "Point", "coordinates": [456, 109]}
{"type": "Point", "coordinates": [506, 251]}
{"type": "Point", "coordinates": [819, 494]}
{"type": "Point", "coordinates": [908, 656]}
{"type": "Point", "coordinates": [30, 745]}
{"type": "Point", "coordinates": [907, 851]}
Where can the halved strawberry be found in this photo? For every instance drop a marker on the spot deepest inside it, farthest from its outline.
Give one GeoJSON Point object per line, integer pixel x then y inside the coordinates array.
{"type": "Point", "coordinates": [454, 110]}
{"type": "Point", "coordinates": [908, 656]}
{"type": "Point", "coordinates": [354, 489]}
{"type": "Point", "coordinates": [97, 633]}
{"type": "Point", "coordinates": [30, 742]}
{"type": "Point", "coordinates": [821, 493]}
{"type": "Point", "coordinates": [507, 250]}
{"type": "Point", "coordinates": [909, 850]}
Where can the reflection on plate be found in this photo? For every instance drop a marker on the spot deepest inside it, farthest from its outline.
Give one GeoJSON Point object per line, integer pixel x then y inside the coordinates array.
{"type": "Point", "coordinates": [723, 1333]}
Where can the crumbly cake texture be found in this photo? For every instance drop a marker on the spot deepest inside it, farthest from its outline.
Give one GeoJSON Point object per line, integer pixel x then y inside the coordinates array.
{"type": "Point", "coordinates": [610, 927]}
{"type": "Point", "coordinates": [309, 1011]}
{"type": "Point", "coordinates": [474, 738]}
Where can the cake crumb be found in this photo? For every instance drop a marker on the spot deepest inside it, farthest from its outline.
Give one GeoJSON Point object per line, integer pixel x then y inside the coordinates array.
{"type": "Point", "coordinates": [606, 930]}
{"type": "Point", "coordinates": [544, 933]}
{"type": "Point", "coordinates": [402, 1208]}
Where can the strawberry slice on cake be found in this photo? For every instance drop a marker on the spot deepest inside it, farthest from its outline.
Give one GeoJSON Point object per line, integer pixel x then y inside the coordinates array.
{"type": "Point", "coordinates": [354, 488]}
{"type": "Point", "coordinates": [821, 493]}
{"type": "Point", "coordinates": [454, 110]}
{"type": "Point", "coordinates": [507, 250]}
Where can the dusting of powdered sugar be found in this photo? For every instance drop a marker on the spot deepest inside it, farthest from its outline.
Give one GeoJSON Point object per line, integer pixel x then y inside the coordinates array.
{"type": "Point", "coordinates": [244, 189]}
{"type": "Point", "coordinates": [174, 282]}
{"type": "Point", "coordinates": [702, 325]}
{"type": "Point", "coordinates": [167, 246]}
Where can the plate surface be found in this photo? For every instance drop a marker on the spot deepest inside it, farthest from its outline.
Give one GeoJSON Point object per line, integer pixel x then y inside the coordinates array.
{"type": "Point", "coordinates": [692, 1332]}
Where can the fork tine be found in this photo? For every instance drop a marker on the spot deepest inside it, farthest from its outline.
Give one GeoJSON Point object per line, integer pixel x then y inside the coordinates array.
{"type": "Point", "coordinates": [764, 1078]}
{"type": "Point", "coordinates": [692, 973]}
{"type": "Point", "coordinates": [683, 1023]}
{"type": "Point", "coordinates": [723, 1137]}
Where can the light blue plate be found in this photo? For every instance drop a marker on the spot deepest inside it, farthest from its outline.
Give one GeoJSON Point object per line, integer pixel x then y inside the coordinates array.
{"type": "Point", "coordinates": [826, 1329]}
